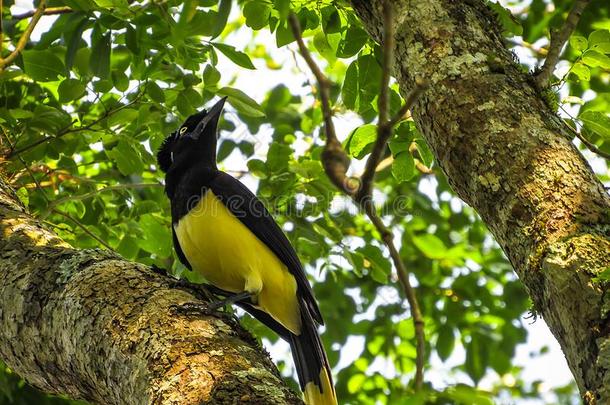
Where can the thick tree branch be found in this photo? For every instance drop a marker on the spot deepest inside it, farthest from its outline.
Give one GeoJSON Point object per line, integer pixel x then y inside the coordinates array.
{"type": "Point", "coordinates": [91, 325]}
{"type": "Point", "coordinates": [25, 36]}
{"type": "Point", "coordinates": [511, 158]}
{"type": "Point", "coordinates": [558, 40]}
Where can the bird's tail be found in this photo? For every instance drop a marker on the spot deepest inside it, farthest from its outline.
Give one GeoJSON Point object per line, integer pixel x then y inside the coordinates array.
{"type": "Point", "coordinates": [312, 364]}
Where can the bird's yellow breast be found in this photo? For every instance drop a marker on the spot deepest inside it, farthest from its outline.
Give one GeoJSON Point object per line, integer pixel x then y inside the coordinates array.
{"type": "Point", "coordinates": [222, 249]}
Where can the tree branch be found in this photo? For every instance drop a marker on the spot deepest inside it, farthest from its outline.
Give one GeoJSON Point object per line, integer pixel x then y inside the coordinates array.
{"type": "Point", "coordinates": [47, 11]}
{"type": "Point", "coordinates": [589, 144]}
{"type": "Point", "coordinates": [537, 195]}
{"type": "Point", "coordinates": [334, 156]}
{"type": "Point", "coordinates": [80, 197]}
{"type": "Point", "coordinates": [384, 132]}
{"type": "Point", "coordinates": [70, 130]}
{"type": "Point", "coordinates": [88, 324]}
{"type": "Point", "coordinates": [558, 40]}
{"type": "Point", "coordinates": [334, 159]}
{"type": "Point", "coordinates": [25, 36]}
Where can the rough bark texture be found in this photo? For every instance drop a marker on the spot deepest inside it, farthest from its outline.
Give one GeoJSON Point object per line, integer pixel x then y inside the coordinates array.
{"type": "Point", "coordinates": [91, 325]}
{"type": "Point", "coordinates": [510, 157]}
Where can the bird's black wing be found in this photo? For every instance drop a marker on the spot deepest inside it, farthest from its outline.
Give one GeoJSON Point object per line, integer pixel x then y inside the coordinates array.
{"type": "Point", "coordinates": [251, 212]}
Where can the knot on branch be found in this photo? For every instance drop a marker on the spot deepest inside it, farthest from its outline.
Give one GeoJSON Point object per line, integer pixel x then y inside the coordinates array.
{"type": "Point", "coordinates": [336, 162]}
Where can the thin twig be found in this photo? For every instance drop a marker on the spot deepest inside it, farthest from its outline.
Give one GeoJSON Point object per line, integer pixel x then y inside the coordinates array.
{"type": "Point", "coordinates": [83, 227]}
{"type": "Point", "coordinates": [589, 144]}
{"type": "Point", "coordinates": [384, 131]}
{"type": "Point", "coordinates": [70, 130]}
{"type": "Point", "coordinates": [403, 278]}
{"type": "Point", "coordinates": [420, 86]}
{"type": "Point", "coordinates": [47, 11]}
{"type": "Point", "coordinates": [335, 160]}
{"type": "Point", "coordinates": [334, 157]}
{"type": "Point", "coordinates": [26, 35]}
{"type": "Point", "coordinates": [558, 40]}
{"type": "Point", "coordinates": [80, 197]}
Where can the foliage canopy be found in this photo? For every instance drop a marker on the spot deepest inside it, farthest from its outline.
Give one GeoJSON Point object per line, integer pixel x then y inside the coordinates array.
{"type": "Point", "coordinates": [90, 99]}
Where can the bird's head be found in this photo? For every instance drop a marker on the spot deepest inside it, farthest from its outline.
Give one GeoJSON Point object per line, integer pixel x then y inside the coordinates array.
{"type": "Point", "coordinates": [194, 143]}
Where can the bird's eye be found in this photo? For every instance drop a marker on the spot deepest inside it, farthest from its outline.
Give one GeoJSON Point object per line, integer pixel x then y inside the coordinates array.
{"type": "Point", "coordinates": [182, 130]}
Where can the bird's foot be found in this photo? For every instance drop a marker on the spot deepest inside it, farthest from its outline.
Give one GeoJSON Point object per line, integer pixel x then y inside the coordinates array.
{"type": "Point", "coordinates": [231, 299]}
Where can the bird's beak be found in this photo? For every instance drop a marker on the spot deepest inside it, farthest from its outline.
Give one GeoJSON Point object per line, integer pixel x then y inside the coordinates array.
{"type": "Point", "coordinates": [210, 121]}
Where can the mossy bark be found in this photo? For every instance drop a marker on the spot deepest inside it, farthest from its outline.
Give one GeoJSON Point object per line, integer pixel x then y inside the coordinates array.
{"type": "Point", "coordinates": [91, 325]}
{"type": "Point", "coordinates": [508, 155]}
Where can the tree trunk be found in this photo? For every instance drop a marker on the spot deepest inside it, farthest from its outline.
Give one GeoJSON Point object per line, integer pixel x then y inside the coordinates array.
{"type": "Point", "coordinates": [509, 156]}
{"type": "Point", "coordinates": [91, 325]}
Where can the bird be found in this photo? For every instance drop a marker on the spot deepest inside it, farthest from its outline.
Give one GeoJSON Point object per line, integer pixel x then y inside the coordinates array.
{"type": "Point", "coordinates": [222, 231]}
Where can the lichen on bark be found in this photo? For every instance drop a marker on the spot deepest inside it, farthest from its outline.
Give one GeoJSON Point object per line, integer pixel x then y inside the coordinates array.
{"type": "Point", "coordinates": [88, 324]}
{"type": "Point", "coordinates": [510, 157]}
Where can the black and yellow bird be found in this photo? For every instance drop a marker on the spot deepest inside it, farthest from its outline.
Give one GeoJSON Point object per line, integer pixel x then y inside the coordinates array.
{"type": "Point", "coordinates": [223, 232]}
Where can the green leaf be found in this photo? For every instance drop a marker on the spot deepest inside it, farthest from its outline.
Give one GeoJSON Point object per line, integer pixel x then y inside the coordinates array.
{"type": "Point", "coordinates": [597, 122]}
{"type": "Point", "coordinates": [282, 7]}
{"type": "Point", "coordinates": [20, 114]}
{"type": "Point", "coordinates": [100, 57]}
{"type": "Point", "coordinates": [578, 42]}
{"type": "Point", "coordinates": [76, 38]}
{"type": "Point", "coordinates": [349, 91]}
{"type": "Point", "coordinates": [183, 105]}
{"type": "Point", "coordinates": [361, 140]}
{"type": "Point", "coordinates": [157, 236]}
{"type": "Point", "coordinates": [243, 103]}
{"type": "Point", "coordinates": [581, 71]}
{"type": "Point", "coordinates": [283, 35]}
{"type": "Point", "coordinates": [445, 342]}
{"type": "Point", "coordinates": [127, 158]}
{"type": "Point", "coordinates": [465, 395]}
{"type": "Point", "coordinates": [70, 89]}
{"type": "Point", "coordinates": [123, 117]}
{"type": "Point", "coordinates": [331, 21]}
{"type": "Point", "coordinates": [155, 92]}
{"type": "Point", "coordinates": [224, 9]}
{"type": "Point", "coordinates": [49, 119]}
{"type": "Point", "coordinates": [403, 167]}
{"type": "Point", "coordinates": [120, 80]}
{"type": "Point", "coordinates": [379, 266]}
{"type": "Point", "coordinates": [351, 43]}
{"type": "Point", "coordinates": [234, 55]}
{"type": "Point", "coordinates": [430, 245]}
{"type": "Point", "coordinates": [131, 39]}
{"type": "Point", "coordinates": [211, 76]}
{"type": "Point", "coordinates": [258, 168]}
{"type": "Point", "coordinates": [602, 47]}
{"type": "Point", "coordinates": [42, 66]}
{"type": "Point", "coordinates": [595, 59]}
{"type": "Point", "coordinates": [599, 36]}
{"type": "Point", "coordinates": [194, 98]}
{"type": "Point", "coordinates": [476, 358]}
{"type": "Point", "coordinates": [257, 14]}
